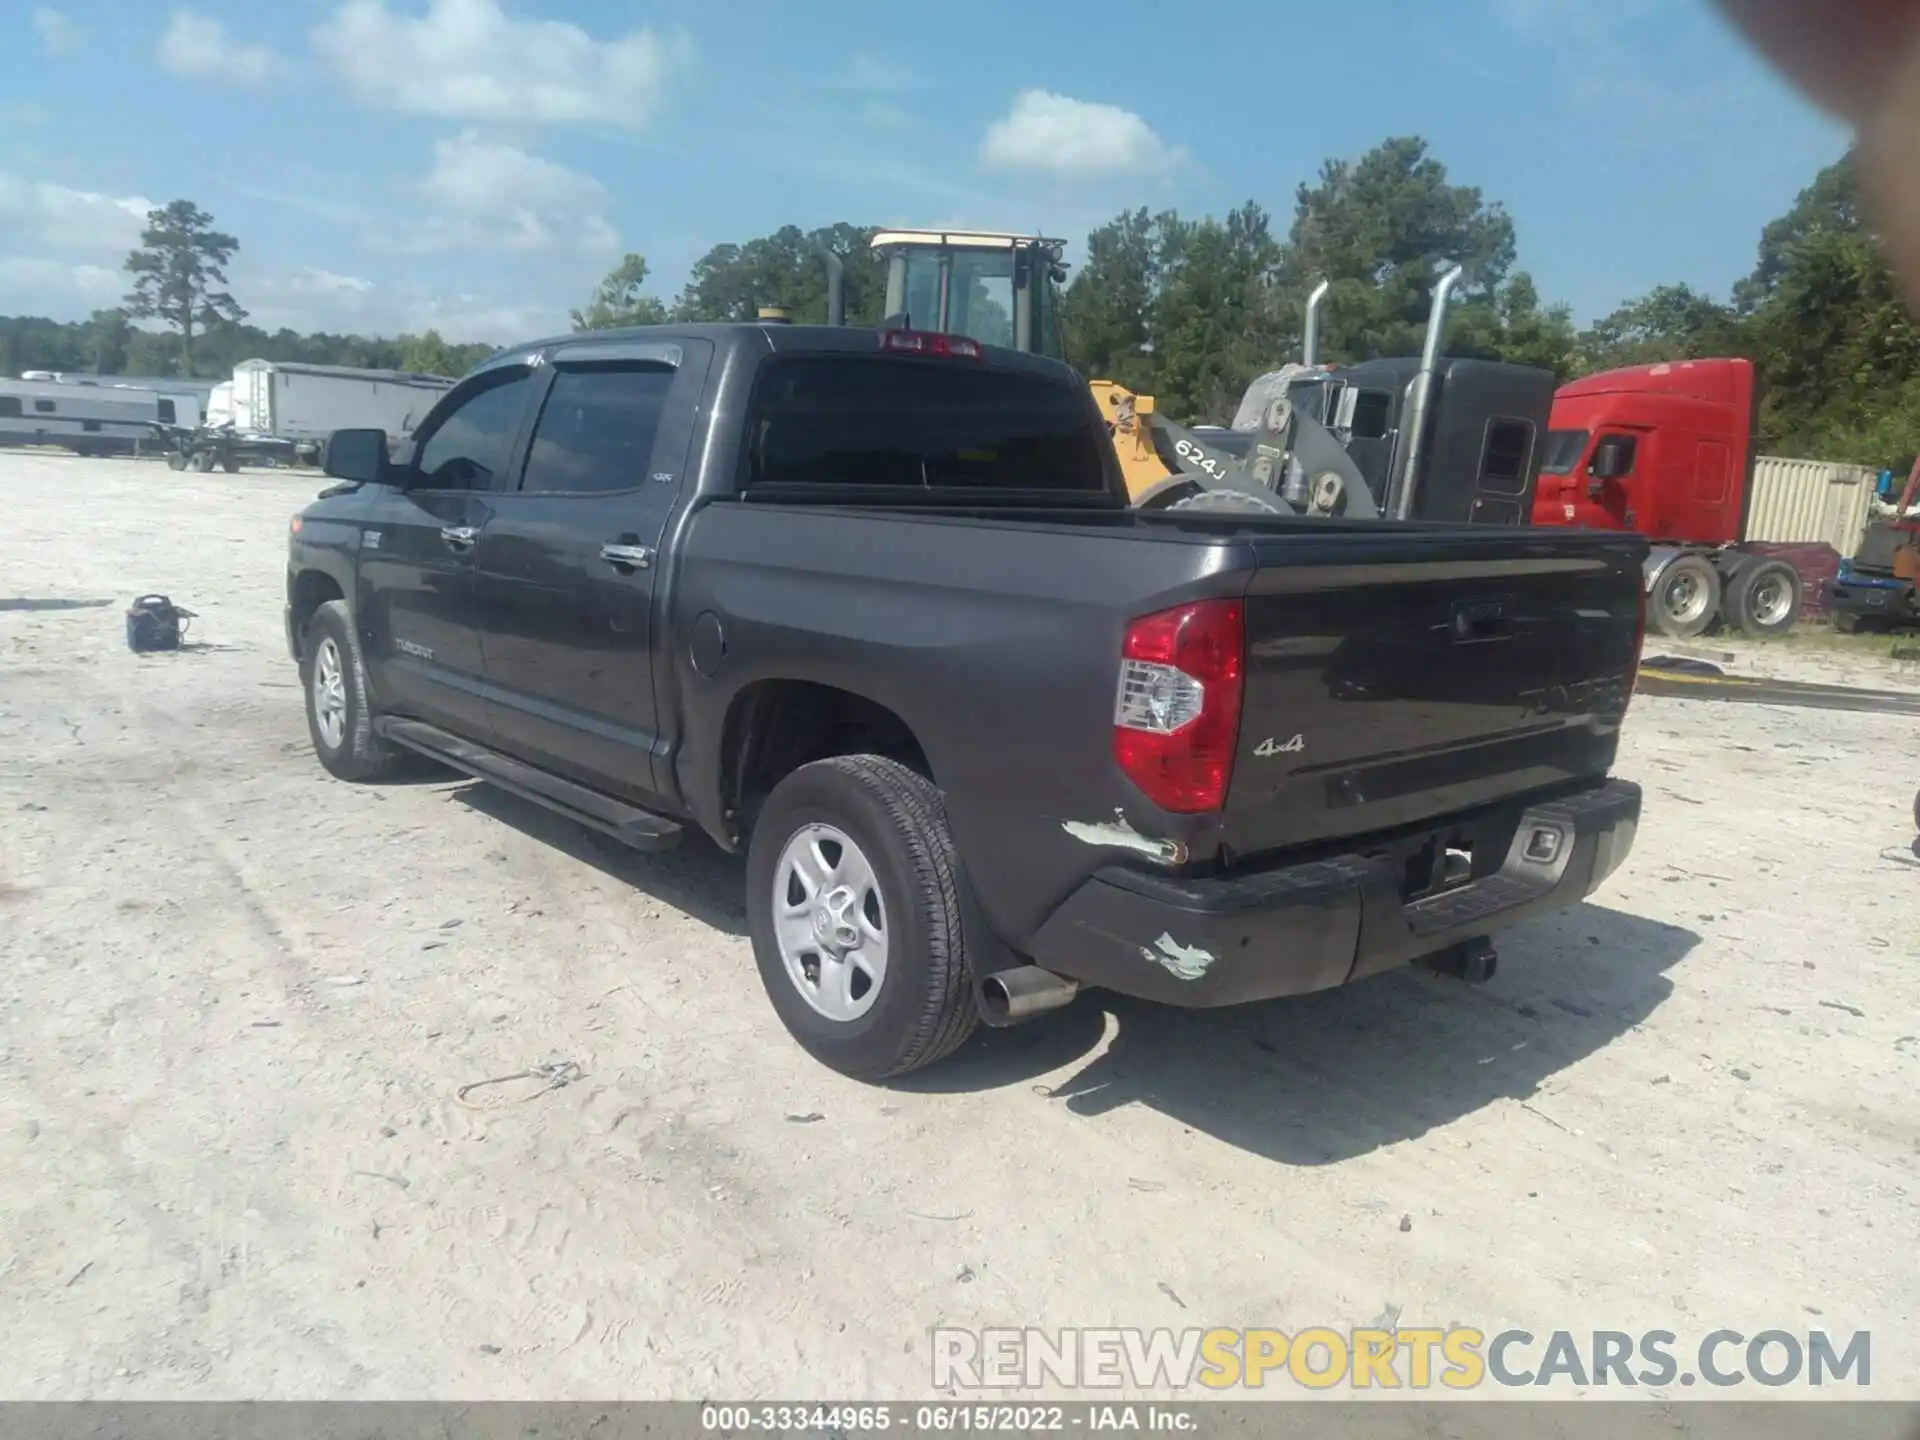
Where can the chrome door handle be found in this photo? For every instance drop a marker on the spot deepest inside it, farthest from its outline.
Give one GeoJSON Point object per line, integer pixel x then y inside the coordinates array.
{"type": "Point", "coordinates": [626, 557]}
{"type": "Point", "coordinates": [460, 537]}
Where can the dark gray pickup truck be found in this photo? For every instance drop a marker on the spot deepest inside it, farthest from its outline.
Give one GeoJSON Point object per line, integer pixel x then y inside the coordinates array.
{"type": "Point", "coordinates": [872, 607]}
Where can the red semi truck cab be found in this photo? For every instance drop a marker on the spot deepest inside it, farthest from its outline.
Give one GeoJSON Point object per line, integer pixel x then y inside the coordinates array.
{"type": "Point", "coordinates": [1684, 431]}
{"type": "Point", "coordinates": [1668, 450]}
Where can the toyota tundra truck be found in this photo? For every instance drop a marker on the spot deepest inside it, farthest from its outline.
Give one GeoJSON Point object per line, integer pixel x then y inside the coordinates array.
{"type": "Point", "coordinates": [870, 608]}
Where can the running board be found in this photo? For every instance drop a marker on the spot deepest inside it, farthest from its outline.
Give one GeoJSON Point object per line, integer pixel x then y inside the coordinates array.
{"type": "Point", "coordinates": [642, 829]}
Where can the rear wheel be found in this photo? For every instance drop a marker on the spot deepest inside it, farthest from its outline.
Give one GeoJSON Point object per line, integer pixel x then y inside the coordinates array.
{"type": "Point", "coordinates": [853, 903]}
{"type": "Point", "coordinates": [230, 464]}
{"type": "Point", "coordinates": [1764, 598]}
{"type": "Point", "coordinates": [176, 460]}
{"type": "Point", "coordinates": [1685, 598]}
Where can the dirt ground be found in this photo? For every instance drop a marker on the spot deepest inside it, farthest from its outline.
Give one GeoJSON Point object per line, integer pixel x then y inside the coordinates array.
{"type": "Point", "coordinates": [238, 1002]}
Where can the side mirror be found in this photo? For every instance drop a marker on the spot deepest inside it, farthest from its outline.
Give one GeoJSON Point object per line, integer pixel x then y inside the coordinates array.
{"type": "Point", "coordinates": [1612, 458]}
{"type": "Point", "coordinates": [357, 455]}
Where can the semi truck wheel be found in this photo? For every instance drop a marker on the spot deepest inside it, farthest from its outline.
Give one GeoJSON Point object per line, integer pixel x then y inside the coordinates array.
{"type": "Point", "coordinates": [176, 460]}
{"type": "Point", "coordinates": [1764, 598]}
{"type": "Point", "coordinates": [853, 904]}
{"type": "Point", "coordinates": [1685, 598]}
{"type": "Point", "coordinates": [230, 464]}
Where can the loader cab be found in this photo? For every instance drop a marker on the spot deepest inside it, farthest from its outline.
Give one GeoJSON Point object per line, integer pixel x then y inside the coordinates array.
{"type": "Point", "coordinates": [999, 289]}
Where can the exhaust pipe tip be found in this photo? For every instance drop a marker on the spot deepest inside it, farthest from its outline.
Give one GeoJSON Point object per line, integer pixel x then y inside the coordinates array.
{"type": "Point", "coordinates": [1012, 996]}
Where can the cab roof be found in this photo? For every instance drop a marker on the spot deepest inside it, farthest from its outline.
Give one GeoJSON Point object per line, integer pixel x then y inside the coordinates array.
{"type": "Point", "coordinates": [964, 239]}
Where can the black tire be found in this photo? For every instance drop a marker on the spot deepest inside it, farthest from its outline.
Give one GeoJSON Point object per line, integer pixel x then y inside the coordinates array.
{"type": "Point", "coordinates": [1916, 811]}
{"type": "Point", "coordinates": [1685, 598]}
{"type": "Point", "coordinates": [176, 460]}
{"type": "Point", "coordinates": [924, 1009]}
{"type": "Point", "coordinates": [200, 462]}
{"type": "Point", "coordinates": [1846, 624]}
{"type": "Point", "coordinates": [358, 754]}
{"type": "Point", "coordinates": [1764, 599]}
{"type": "Point", "coordinates": [230, 464]}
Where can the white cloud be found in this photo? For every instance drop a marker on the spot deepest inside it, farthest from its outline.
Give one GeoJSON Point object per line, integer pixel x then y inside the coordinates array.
{"type": "Point", "coordinates": [60, 218]}
{"type": "Point", "coordinates": [469, 59]}
{"type": "Point", "coordinates": [484, 195]}
{"type": "Point", "coordinates": [198, 46]}
{"type": "Point", "coordinates": [58, 33]}
{"type": "Point", "coordinates": [1062, 136]}
{"type": "Point", "coordinates": [308, 300]}
{"type": "Point", "coordinates": [33, 285]}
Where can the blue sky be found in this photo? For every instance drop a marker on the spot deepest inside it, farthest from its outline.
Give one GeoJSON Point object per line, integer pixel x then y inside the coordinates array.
{"type": "Point", "coordinates": [477, 164]}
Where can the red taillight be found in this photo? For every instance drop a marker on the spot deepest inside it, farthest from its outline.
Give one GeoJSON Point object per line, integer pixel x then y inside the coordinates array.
{"type": "Point", "coordinates": [930, 342]}
{"type": "Point", "coordinates": [1176, 717]}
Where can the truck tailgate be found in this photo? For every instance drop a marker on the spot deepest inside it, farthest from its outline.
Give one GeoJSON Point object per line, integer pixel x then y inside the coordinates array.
{"type": "Point", "coordinates": [1413, 677]}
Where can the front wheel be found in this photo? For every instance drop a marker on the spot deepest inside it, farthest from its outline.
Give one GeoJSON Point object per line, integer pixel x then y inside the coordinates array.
{"type": "Point", "coordinates": [853, 904]}
{"type": "Point", "coordinates": [339, 720]}
{"type": "Point", "coordinates": [1685, 598]}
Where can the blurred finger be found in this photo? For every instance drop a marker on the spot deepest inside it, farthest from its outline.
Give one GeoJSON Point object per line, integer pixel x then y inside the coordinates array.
{"type": "Point", "coordinates": [1859, 59]}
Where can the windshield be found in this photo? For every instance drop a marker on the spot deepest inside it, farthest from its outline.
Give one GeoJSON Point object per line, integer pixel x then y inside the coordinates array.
{"type": "Point", "coordinates": [1564, 449]}
{"type": "Point", "coordinates": [979, 296]}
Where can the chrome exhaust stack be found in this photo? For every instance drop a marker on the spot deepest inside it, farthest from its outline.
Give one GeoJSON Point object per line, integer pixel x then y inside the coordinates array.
{"type": "Point", "coordinates": [1420, 401]}
{"type": "Point", "coordinates": [1310, 343]}
{"type": "Point", "coordinates": [1012, 996]}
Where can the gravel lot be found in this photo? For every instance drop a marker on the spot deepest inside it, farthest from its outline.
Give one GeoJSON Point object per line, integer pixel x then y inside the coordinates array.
{"type": "Point", "coordinates": [238, 1000]}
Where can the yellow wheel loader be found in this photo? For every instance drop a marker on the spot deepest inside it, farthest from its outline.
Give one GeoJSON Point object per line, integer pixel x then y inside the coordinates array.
{"type": "Point", "coordinates": [1429, 438]}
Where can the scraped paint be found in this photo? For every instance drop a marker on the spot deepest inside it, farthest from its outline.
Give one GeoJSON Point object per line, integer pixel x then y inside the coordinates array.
{"type": "Point", "coordinates": [1119, 835]}
{"type": "Point", "coordinates": [1183, 962]}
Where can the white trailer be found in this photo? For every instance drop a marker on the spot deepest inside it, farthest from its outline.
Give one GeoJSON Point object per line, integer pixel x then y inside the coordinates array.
{"type": "Point", "coordinates": [88, 419]}
{"type": "Point", "coordinates": [310, 402]}
{"type": "Point", "coordinates": [281, 412]}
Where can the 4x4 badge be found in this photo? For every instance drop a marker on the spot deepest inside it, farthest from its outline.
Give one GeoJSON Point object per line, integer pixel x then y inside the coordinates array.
{"type": "Point", "coordinates": [1271, 747]}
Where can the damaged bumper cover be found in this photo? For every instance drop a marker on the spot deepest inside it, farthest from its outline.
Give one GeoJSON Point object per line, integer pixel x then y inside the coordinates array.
{"type": "Point", "coordinates": [1318, 924]}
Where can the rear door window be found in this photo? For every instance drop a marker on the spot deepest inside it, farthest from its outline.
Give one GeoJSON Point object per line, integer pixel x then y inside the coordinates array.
{"type": "Point", "coordinates": [596, 430]}
{"type": "Point", "coordinates": [892, 425]}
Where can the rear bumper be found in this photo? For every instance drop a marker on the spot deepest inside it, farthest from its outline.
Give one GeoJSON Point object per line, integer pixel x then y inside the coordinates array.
{"type": "Point", "coordinates": [1316, 925]}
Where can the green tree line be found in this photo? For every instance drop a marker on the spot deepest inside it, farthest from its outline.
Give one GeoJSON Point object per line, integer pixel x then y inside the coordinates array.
{"type": "Point", "coordinates": [1190, 309]}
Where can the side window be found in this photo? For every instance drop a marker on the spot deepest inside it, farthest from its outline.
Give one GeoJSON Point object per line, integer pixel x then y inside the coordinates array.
{"type": "Point", "coordinates": [9, 406]}
{"type": "Point", "coordinates": [166, 412]}
{"type": "Point", "coordinates": [471, 443]}
{"type": "Point", "coordinates": [596, 430]}
{"type": "Point", "coordinates": [1507, 452]}
{"type": "Point", "coordinates": [45, 407]}
{"type": "Point", "coordinates": [91, 427]}
{"type": "Point", "coordinates": [1371, 411]}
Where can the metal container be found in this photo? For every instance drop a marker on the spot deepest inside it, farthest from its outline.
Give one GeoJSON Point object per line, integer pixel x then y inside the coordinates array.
{"type": "Point", "coordinates": [1802, 502]}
